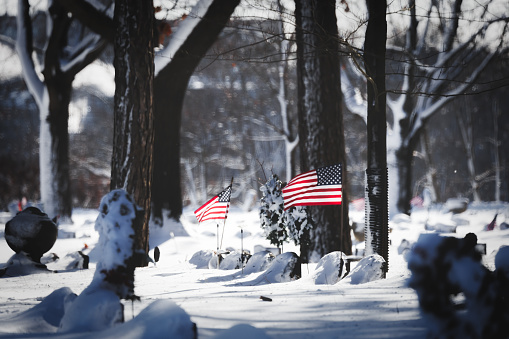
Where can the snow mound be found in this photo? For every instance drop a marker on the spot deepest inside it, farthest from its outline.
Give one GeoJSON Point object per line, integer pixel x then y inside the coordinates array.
{"type": "Point", "coordinates": [368, 269]}
{"type": "Point", "coordinates": [232, 261]}
{"type": "Point", "coordinates": [284, 268]}
{"type": "Point", "coordinates": [44, 317]}
{"type": "Point", "coordinates": [259, 262]}
{"type": "Point", "coordinates": [20, 264]}
{"type": "Point", "coordinates": [161, 319]}
{"type": "Point", "coordinates": [93, 310]}
{"type": "Point", "coordinates": [330, 269]}
{"type": "Point", "coordinates": [201, 258]}
{"type": "Point", "coordinates": [243, 331]}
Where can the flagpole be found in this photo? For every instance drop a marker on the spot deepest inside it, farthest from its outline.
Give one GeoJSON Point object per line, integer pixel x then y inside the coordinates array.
{"type": "Point", "coordinates": [222, 235]}
{"type": "Point", "coordinates": [217, 237]}
{"type": "Point", "coordinates": [217, 251]}
{"type": "Point", "coordinates": [242, 250]}
{"type": "Point", "coordinates": [342, 210]}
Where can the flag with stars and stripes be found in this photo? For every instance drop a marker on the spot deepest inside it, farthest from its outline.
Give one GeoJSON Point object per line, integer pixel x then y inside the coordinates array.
{"type": "Point", "coordinates": [215, 208]}
{"type": "Point", "coordinates": [317, 187]}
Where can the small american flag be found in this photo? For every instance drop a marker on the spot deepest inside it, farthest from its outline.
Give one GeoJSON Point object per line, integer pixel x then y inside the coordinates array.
{"type": "Point", "coordinates": [317, 187]}
{"type": "Point", "coordinates": [215, 208]}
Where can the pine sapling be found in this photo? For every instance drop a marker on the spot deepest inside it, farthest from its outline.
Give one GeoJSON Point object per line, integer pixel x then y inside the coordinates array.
{"type": "Point", "coordinates": [272, 216]}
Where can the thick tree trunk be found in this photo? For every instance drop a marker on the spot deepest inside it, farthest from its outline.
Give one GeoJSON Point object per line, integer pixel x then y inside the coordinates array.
{"type": "Point", "coordinates": [168, 101]}
{"type": "Point", "coordinates": [57, 149]}
{"type": "Point", "coordinates": [54, 148]}
{"type": "Point", "coordinates": [169, 92]}
{"type": "Point", "coordinates": [377, 208]}
{"type": "Point", "coordinates": [404, 168]}
{"type": "Point", "coordinates": [131, 167]}
{"type": "Point", "coordinates": [320, 119]}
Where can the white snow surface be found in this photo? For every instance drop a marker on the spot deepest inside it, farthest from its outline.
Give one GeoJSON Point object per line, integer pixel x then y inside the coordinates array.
{"type": "Point", "coordinates": [227, 303]}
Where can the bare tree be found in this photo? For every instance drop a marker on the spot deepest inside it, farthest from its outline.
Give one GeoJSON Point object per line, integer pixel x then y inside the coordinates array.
{"type": "Point", "coordinates": [434, 73]}
{"type": "Point", "coordinates": [174, 66]}
{"type": "Point", "coordinates": [62, 60]}
{"type": "Point", "coordinates": [178, 62]}
{"type": "Point", "coordinates": [443, 53]}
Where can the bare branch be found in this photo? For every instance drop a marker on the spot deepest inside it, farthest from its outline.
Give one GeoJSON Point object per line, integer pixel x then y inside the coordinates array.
{"type": "Point", "coordinates": [25, 51]}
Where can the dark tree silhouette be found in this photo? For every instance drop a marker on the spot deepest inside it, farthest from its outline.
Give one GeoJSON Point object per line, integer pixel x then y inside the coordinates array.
{"type": "Point", "coordinates": [320, 119]}
{"type": "Point", "coordinates": [377, 213]}
{"type": "Point", "coordinates": [131, 165]}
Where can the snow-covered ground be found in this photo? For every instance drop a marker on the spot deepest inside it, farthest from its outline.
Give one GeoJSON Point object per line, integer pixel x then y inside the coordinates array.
{"type": "Point", "coordinates": [219, 300]}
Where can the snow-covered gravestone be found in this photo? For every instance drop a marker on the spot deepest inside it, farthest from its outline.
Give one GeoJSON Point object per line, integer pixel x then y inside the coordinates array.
{"type": "Point", "coordinates": [331, 268]}
{"type": "Point", "coordinates": [259, 262]}
{"type": "Point", "coordinates": [284, 268]}
{"type": "Point", "coordinates": [98, 307]}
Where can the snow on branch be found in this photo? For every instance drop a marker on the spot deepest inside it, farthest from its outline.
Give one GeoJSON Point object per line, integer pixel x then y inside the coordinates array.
{"type": "Point", "coordinates": [83, 54]}
{"type": "Point", "coordinates": [25, 51]}
{"type": "Point", "coordinates": [180, 36]}
{"type": "Point", "coordinates": [429, 110]}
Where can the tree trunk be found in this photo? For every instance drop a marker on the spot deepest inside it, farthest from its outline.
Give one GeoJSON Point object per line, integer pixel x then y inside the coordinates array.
{"type": "Point", "coordinates": [53, 97]}
{"type": "Point", "coordinates": [320, 119]}
{"type": "Point", "coordinates": [377, 212]}
{"type": "Point", "coordinates": [131, 167]}
{"type": "Point", "coordinates": [54, 151]}
{"type": "Point", "coordinates": [169, 92]}
{"type": "Point", "coordinates": [57, 201]}
{"type": "Point", "coordinates": [168, 101]}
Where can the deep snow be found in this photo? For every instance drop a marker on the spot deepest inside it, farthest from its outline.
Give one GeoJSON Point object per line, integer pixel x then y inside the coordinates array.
{"type": "Point", "coordinates": [228, 300]}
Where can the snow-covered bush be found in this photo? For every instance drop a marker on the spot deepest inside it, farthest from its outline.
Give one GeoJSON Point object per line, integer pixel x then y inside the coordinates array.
{"type": "Point", "coordinates": [299, 223]}
{"type": "Point", "coordinates": [98, 307]}
{"type": "Point", "coordinates": [460, 296]}
{"type": "Point", "coordinates": [272, 214]}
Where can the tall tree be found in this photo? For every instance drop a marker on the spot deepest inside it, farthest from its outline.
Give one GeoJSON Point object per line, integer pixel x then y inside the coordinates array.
{"type": "Point", "coordinates": [434, 74]}
{"type": "Point", "coordinates": [377, 214]}
{"type": "Point", "coordinates": [173, 71]}
{"type": "Point", "coordinates": [131, 166]}
{"type": "Point", "coordinates": [321, 132]}
{"type": "Point", "coordinates": [62, 60]}
{"type": "Point", "coordinates": [432, 62]}
{"type": "Point", "coordinates": [174, 66]}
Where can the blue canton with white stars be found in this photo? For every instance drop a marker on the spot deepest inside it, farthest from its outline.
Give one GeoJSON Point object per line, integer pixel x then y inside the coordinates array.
{"type": "Point", "coordinates": [224, 196]}
{"type": "Point", "coordinates": [330, 175]}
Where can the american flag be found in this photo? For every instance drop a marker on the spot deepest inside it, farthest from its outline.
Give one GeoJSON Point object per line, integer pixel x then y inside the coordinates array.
{"type": "Point", "coordinates": [215, 208]}
{"type": "Point", "coordinates": [317, 187]}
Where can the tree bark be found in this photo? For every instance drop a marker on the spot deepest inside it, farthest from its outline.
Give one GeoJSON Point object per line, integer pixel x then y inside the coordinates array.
{"type": "Point", "coordinates": [377, 208]}
{"type": "Point", "coordinates": [320, 119]}
{"type": "Point", "coordinates": [132, 163]}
